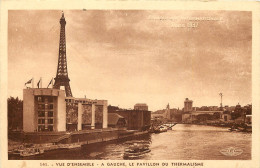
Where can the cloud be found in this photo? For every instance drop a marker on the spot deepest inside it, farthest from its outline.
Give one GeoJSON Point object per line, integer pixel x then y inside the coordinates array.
{"type": "Point", "coordinates": [116, 52]}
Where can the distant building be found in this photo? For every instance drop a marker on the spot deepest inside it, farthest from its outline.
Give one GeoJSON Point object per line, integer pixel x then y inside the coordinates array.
{"type": "Point", "coordinates": [213, 108]}
{"type": "Point", "coordinates": [200, 116]}
{"type": "Point", "coordinates": [204, 108]}
{"type": "Point", "coordinates": [214, 114]}
{"type": "Point", "coordinates": [110, 108]}
{"type": "Point", "coordinates": [231, 108]}
{"type": "Point", "coordinates": [49, 110]}
{"type": "Point", "coordinates": [248, 119]}
{"type": "Point", "coordinates": [141, 106]}
{"type": "Point", "coordinates": [135, 119]}
{"type": "Point", "coordinates": [226, 116]}
{"type": "Point", "coordinates": [116, 121]}
{"type": "Point", "coordinates": [239, 113]}
{"type": "Point", "coordinates": [195, 108]}
{"type": "Point", "coordinates": [176, 115]}
{"type": "Point", "coordinates": [168, 112]}
{"type": "Point", "coordinates": [187, 105]}
{"type": "Point", "coordinates": [162, 114]}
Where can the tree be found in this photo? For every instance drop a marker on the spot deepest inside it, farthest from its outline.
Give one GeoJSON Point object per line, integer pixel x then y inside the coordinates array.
{"type": "Point", "coordinates": [203, 117]}
{"type": "Point", "coordinates": [235, 115]}
{"type": "Point", "coordinates": [216, 115]}
{"type": "Point", "coordinates": [248, 110]}
{"type": "Point", "coordinates": [15, 113]}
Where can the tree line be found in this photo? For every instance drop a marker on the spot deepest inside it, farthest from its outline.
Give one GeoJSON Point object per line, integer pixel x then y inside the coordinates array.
{"type": "Point", "coordinates": [15, 113]}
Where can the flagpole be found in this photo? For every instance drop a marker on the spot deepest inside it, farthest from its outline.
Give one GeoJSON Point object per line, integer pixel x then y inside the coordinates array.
{"type": "Point", "coordinates": [32, 83]}
{"type": "Point", "coordinates": [41, 82]}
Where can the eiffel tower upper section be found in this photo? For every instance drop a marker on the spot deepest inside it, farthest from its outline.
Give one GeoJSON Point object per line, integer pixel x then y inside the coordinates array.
{"type": "Point", "coordinates": [62, 78]}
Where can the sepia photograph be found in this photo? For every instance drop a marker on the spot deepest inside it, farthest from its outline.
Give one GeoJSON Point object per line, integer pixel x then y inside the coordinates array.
{"type": "Point", "coordinates": [141, 85]}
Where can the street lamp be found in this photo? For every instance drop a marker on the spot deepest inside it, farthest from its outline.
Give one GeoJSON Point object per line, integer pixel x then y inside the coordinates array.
{"type": "Point", "coordinates": [221, 94]}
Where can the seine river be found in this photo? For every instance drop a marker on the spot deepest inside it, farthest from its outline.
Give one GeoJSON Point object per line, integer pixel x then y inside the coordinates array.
{"type": "Point", "coordinates": [184, 142]}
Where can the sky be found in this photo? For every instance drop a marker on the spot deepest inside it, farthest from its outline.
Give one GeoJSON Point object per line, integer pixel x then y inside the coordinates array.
{"type": "Point", "coordinates": [136, 56]}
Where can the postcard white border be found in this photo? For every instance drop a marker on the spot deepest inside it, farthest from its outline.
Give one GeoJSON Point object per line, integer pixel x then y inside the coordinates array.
{"type": "Point", "coordinates": [145, 5]}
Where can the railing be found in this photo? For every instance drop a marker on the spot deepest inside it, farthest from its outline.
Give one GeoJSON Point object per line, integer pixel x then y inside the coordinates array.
{"type": "Point", "coordinates": [62, 137]}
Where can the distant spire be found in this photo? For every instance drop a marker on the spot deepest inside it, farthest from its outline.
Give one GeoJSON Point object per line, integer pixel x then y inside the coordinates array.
{"type": "Point", "coordinates": [62, 14]}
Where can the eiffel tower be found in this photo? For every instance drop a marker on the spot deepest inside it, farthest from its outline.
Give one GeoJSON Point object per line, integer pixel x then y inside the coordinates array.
{"type": "Point", "coordinates": [62, 78]}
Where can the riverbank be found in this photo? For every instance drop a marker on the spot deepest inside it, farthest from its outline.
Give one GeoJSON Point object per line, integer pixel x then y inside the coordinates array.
{"type": "Point", "coordinates": [69, 139]}
{"type": "Point", "coordinates": [230, 126]}
{"type": "Point", "coordinates": [227, 125]}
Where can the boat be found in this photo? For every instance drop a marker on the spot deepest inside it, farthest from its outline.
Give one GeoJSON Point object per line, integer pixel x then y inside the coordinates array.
{"type": "Point", "coordinates": [70, 146]}
{"type": "Point", "coordinates": [245, 129]}
{"type": "Point", "coordinates": [233, 129]}
{"type": "Point", "coordinates": [157, 131]}
{"type": "Point", "coordinates": [160, 129]}
{"type": "Point", "coordinates": [163, 129]}
{"type": "Point", "coordinates": [31, 152]}
{"type": "Point", "coordinates": [241, 128]}
{"type": "Point", "coordinates": [136, 150]}
{"type": "Point", "coordinates": [17, 151]}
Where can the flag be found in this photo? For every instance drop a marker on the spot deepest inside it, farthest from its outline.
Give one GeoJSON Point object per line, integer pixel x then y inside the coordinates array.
{"type": "Point", "coordinates": [38, 84]}
{"type": "Point", "coordinates": [50, 82]}
{"type": "Point", "coordinates": [30, 81]}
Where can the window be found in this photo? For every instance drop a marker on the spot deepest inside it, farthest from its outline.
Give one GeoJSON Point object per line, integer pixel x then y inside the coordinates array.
{"type": "Point", "coordinates": [41, 106]}
{"type": "Point", "coordinates": [46, 99]}
{"type": "Point", "coordinates": [41, 114]}
{"type": "Point", "coordinates": [50, 128]}
{"type": "Point", "coordinates": [50, 106]}
{"type": "Point", "coordinates": [39, 99]}
{"type": "Point", "coordinates": [225, 118]}
{"type": "Point", "coordinates": [40, 128]}
{"type": "Point", "coordinates": [41, 121]}
{"type": "Point", "coordinates": [50, 114]}
{"type": "Point", "coordinates": [50, 121]}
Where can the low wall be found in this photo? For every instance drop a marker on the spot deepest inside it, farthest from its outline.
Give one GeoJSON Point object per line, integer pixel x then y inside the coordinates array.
{"type": "Point", "coordinates": [83, 137]}
{"type": "Point", "coordinates": [92, 137]}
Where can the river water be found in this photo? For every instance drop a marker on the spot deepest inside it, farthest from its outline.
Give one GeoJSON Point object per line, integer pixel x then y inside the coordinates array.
{"type": "Point", "coordinates": [184, 142]}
